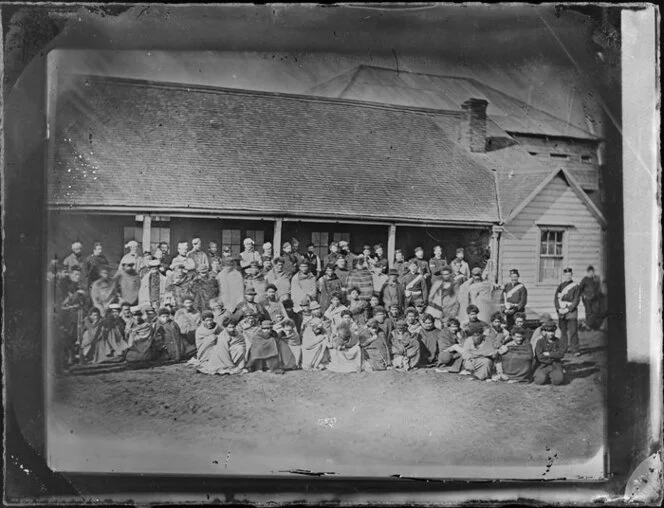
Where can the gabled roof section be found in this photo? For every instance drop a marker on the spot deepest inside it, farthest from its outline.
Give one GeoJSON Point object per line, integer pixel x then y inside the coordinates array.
{"type": "Point", "coordinates": [136, 145]}
{"type": "Point", "coordinates": [378, 84]}
{"type": "Point", "coordinates": [530, 187]}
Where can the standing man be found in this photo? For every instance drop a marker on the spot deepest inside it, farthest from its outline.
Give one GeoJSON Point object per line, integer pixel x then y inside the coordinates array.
{"type": "Point", "coordinates": [515, 297]}
{"type": "Point", "coordinates": [128, 283]}
{"type": "Point", "coordinates": [379, 256]}
{"type": "Point", "coordinates": [313, 260]}
{"type": "Point", "coordinates": [566, 300]}
{"type": "Point", "coordinates": [414, 283]}
{"type": "Point", "coordinates": [166, 251]}
{"type": "Point", "coordinates": [329, 283]}
{"type": "Point", "coordinates": [200, 258]}
{"type": "Point", "coordinates": [267, 251]}
{"type": "Point", "coordinates": [591, 294]}
{"type": "Point", "coordinates": [400, 264]}
{"type": "Point", "coordinates": [93, 263]}
{"type": "Point", "coordinates": [480, 293]}
{"type": "Point", "coordinates": [342, 273]}
{"type": "Point", "coordinates": [392, 292]}
{"type": "Point", "coordinates": [344, 250]}
{"type": "Point", "coordinates": [279, 277]}
{"type": "Point", "coordinates": [249, 254]}
{"type": "Point", "coordinates": [361, 278]}
{"type": "Point", "coordinates": [152, 287]}
{"type": "Point", "coordinates": [437, 262]}
{"type": "Point", "coordinates": [291, 260]}
{"type": "Point", "coordinates": [75, 258]}
{"type": "Point", "coordinates": [331, 258]}
{"type": "Point", "coordinates": [422, 264]}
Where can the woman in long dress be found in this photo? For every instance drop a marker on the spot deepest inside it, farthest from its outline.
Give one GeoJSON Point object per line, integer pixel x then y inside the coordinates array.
{"type": "Point", "coordinates": [94, 346]}
{"type": "Point", "coordinates": [228, 356]}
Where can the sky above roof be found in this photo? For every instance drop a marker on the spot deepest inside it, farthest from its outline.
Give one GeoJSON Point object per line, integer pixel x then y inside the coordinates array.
{"type": "Point", "coordinates": [529, 52]}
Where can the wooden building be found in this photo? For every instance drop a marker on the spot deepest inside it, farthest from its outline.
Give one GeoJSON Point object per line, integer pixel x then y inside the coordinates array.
{"type": "Point", "coordinates": [155, 162]}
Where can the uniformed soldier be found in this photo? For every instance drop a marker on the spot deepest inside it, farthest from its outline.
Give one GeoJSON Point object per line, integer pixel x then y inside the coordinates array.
{"type": "Point", "coordinates": [515, 297]}
{"type": "Point", "coordinates": [566, 300]}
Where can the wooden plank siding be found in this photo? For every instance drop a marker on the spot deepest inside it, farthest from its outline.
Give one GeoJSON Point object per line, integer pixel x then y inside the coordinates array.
{"type": "Point", "coordinates": [556, 205]}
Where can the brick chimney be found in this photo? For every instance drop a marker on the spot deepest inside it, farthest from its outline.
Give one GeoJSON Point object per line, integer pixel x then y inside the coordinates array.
{"type": "Point", "coordinates": [473, 127]}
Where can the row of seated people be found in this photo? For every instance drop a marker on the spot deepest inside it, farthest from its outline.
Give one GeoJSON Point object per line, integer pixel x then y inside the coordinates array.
{"type": "Point", "coordinates": [218, 342]}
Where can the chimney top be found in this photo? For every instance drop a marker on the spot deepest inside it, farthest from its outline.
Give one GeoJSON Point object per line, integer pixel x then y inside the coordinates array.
{"type": "Point", "coordinates": [474, 124]}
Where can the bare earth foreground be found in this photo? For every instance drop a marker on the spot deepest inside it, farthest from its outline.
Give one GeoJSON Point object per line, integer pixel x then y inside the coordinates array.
{"type": "Point", "coordinates": [171, 419]}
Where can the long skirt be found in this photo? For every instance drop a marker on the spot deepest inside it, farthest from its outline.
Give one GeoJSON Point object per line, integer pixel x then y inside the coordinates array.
{"type": "Point", "coordinates": [314, 350]}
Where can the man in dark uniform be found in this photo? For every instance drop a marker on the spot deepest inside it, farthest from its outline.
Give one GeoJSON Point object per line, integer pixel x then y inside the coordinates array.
{"type": "Point", "coordinates": [422, 265]}
{"type": "Point", "coordinates": [515, 297]}
{"type": "Point", "coordinates": [250, 307]}
{"type": "Point", "coordinates": [566, 300]}
{"type": "Point", "coordinates": [400, 264]}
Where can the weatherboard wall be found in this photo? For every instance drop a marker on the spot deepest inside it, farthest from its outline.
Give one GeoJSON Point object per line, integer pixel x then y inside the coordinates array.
{"type": "Point", "coordinates": [557, 205]}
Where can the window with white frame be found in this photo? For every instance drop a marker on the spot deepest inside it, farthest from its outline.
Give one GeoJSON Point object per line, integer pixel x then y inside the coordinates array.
{"type": "Point", "coordinates": [551, 255]}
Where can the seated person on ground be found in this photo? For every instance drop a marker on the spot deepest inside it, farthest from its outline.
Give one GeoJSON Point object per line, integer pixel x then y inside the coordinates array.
{"type": "Point", "coordinates": [478, 353]}
{"type": "Point", "coordinates": [263, 353]}
{"type": "Point", "coordinates": [375, 353]}
{"type": "Point", "coordinates": [429, 337]}
{"type": "Point", "coordinates": [473, 312]}
{"type": "Point", "coordinates": [344, 350]}
{"type": "Point", "coordinates": [450, 347]}
{"type": "Point", "coordinates": [549, 352]}
{"type": "Point", "coordinates": [405, 347]}
{"type": "Point", "coordinates": [517, 358]}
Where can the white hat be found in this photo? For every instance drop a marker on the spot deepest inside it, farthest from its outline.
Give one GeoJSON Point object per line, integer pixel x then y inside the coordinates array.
{"type": "Point", "coordinates": [153, 263]}
{"type": "Point", "coordinates": [132, 243]}
{"type": "Point", "coordinates": [114, 306]}
{"type": "Point", "coordinates": [135, 309]}
{"type": "Point", "coordinates": [128, 259]}
{"type": "Point", "coordinates": [248, 241]}
{"type": "Point", "coordinates": [75, 244]}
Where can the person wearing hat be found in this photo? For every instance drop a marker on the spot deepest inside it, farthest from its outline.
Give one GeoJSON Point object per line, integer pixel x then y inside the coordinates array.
{"type": "Point", "coordinates": [315, 339]}
{"type": "Point", "coordinates": [249, 254]}
{"type": "Point", "coordinates": [93, 347]}
{"type": "Point", "coordinates": [152, 290]}
{"type": "Point", "coordinates": [168, 334]}
{"type": "Point", "coordinates": [93, 263]}
{"type": "Point", "coordinates": [268, 251]}
{"type": "Point", "coordinates": [549, 353]}
{"type": "Point", "coordinates": [75, 258]}
{"type": "Point", "coordinates": [422, 264]}
{"type": "Point", "coordinates": [464, 269]}
{"type": "Point", "coordinates": [591, 295]}
{"type": "Point", "coordinates": [230, 284]}
{"type": "Point", "coordinates": [303, 286]}
{"type": "Point", "coordinates": [415, 285]}
{"type": "Point", "coordinates": [132, 256]}
{"type": "Point", "coordinates": [344, 250]}
{"type": "Point", "coordinates": [181, 258]}
{"type": "Point", "coordinates": [437, 262]}
{"type": "Point", "coordinates": [480, 293]}
{"type": "Point", "coordinates": [514, 296]}
{"type": "Point", "coordinates": [188, 319]}
{"type": "Point", "coordinates": [200, 258]}
{"type": "Point", "coordinates": [291, 260]}
{"type": "Point", "coordinates": [566, 301]}
{"type": "Point", "coordinates": [250, 306]}
{"type": "Point", "coordinates": [478, 354]}
{"type": "Point", "coordinates": [392, 292]}
{"type": "Point", "coordinates": [326, 285]}
{"type": "Point", "coordinates": [405, 347]}
{"type": "Point", "coordinates": [263, 353]}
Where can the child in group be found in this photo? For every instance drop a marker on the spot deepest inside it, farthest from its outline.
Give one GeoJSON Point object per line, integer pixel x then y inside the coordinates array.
{"type": "Point", "coordinates": [292, 339]}
{"type": "Point", "coordinates": [359, 308]}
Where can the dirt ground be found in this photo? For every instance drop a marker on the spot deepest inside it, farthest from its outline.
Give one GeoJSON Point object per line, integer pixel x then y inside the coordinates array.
{"type": "Point", "coordinates": [172, 419]}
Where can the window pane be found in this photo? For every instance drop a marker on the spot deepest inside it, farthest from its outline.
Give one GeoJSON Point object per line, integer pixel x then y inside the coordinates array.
{"type": "Point", "coordinates": [559, 249]}
{"type": "Point", "coordinates": [225, 237]}
{"type": "Point", "coordinates": [235, 236]}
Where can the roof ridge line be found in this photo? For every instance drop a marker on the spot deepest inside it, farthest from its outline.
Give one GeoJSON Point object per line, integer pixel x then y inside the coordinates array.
{"type": "Point", "coordinates": [265, 93]}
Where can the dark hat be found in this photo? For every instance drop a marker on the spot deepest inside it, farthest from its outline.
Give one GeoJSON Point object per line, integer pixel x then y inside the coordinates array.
{"type": "Point", "coordinates": [514, 271]}
{"type": "Point", "coordinates": [419, 249]}
{"type": "Point", "coordinates": [393, 271]}
{"type": "Point", "coordinates": [476, 271]}
{"type": "Point", "coordinates": [590, 267]}
{"type": "Point", "coordinates": [545, 318]}
{"type": "Point", "coordinates": [549, 326]}
{"type": "Point", "coordinates": [567, 270]}
{"type": "Point", "coordinates": [250, 291]}
{"type": "Point", "coordinates": [270, 286]}
{"type": "Point", "coordinates": [379, 308]}
{"type": "Point", "coordinates": [164, 311]}
{"type": "Point", "coordinates": [75, 268]}
{"type": "Point", "coordinates": [207, 314]}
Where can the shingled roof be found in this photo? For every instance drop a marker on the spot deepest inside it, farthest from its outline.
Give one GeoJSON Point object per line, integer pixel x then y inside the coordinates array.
{"type": "Point", "coordinates": [141, 146]}
{"type": "Point", "coordinates": [389, 86]}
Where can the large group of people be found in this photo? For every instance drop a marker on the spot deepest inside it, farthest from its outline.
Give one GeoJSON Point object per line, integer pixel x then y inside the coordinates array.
{"type": "Point", "coordinates": [347, 312]}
